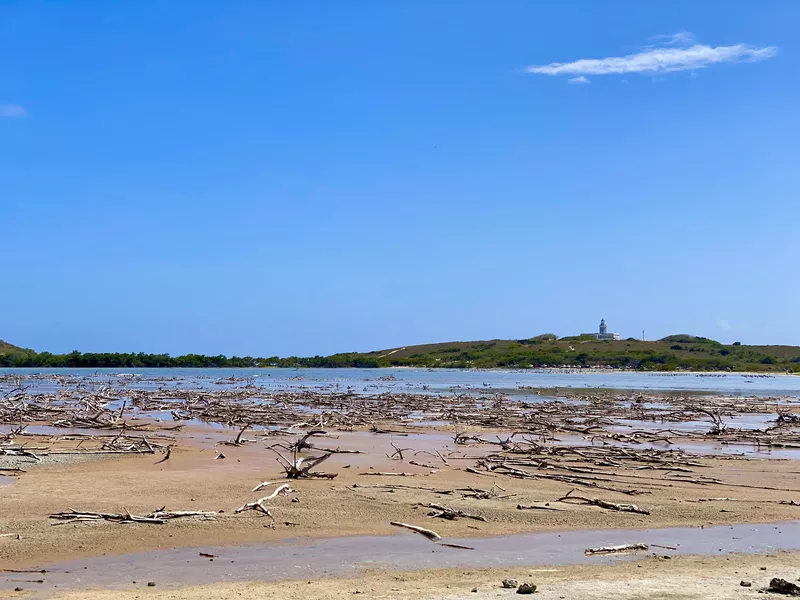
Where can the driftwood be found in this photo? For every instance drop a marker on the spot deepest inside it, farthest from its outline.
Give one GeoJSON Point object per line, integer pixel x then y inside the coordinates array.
{"type": "Point", "coordinates": [479, 494]}
{"type": "Point", "coordinates": [337, 450]}
{"type": "Point", "coordinates": [423, 465]}
{"type": "Point", "coordinates": [594, 415]}
{"type": "Point", "coordinates": [162, 513]}
{"type": "Point", "coordinates": [585, 481]}
{"type": "Point", "coordinates": [301, 468]}
{"type": "Point", "coordinates": [631, 508]}
{"type": "Point", "coordinates": [157, 517]}
{"type": "Point", "coordinates": [19, 452]}
{"type": "Point", "coordinates": [262, 485]}
{"type": "Point", "coordinates": [303, 443]}
{"type": "Point", "coordinates": [613, 549]}
{"type": "Point", "coordinates": [259, 506]}
{"type": "Point", "coordinates": [428, 533]}
{"type": "Point", "coordinates": [281, 489]}
{"type": "Point", "coordinates": [376, 429]}
{"type": "Point", "coordinates": [445, 512]}
{"type": "Point", "coordinates": [398, 452]}
{"type": "Point", "coordinates": [398, 486]}
{"type": "Point", "coordinates": [534, 507]}
{"type": "Point", "coordinates": [167, 454]}
{"type": "Point", "coordinates": [239, 440]}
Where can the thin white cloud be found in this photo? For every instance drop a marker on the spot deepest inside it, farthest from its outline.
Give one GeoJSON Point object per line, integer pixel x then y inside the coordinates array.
{"type": "Point", "coordinates": [578, 80]}
{"type": "Point", "coordinates": [659, 60]}
{"type": "Point", "coordinates": [682, 38]}
{"type": "Point", "coordinates": [724, 324]}
{"type": "Point", "coordinates": [12, 110]}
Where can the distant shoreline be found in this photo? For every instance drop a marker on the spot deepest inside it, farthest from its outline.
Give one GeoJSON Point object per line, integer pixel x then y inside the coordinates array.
{"type": "Point", "coordinates": [547, 370]}
{"type": "Point", "coordinates": [673, 354]}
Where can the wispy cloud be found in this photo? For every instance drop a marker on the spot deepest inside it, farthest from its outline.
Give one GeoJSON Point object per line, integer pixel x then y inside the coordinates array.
{"type": "Point", "coordinates": [12, 110]}
{"type": "Point", "coordinates": [724, 324]}
{"type": "Point", "coordinates": [578, 80]}
{"type": "Point", "coordinates": [663, 59]}
{"type": "Point", "coordinates": [682, 38]}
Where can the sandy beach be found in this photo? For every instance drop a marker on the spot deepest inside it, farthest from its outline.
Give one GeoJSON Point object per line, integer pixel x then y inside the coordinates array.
{"type": "Point", "coordinates": [465, 481]}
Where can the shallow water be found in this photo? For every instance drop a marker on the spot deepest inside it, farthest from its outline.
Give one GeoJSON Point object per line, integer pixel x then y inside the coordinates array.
{"type": "Point", "coordinates": [302, 559]}
{"type": "Point", "coordinates": [437, 380]}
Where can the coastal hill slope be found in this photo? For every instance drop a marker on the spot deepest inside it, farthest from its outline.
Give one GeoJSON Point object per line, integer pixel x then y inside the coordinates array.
{"type": "Point", "coordinates": [673, 352]}
{"type": "Point", "coordinates": [6, 348]}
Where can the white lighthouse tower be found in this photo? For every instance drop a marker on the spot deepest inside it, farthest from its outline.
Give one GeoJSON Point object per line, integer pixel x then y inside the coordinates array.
{"type": "Point", "coordinates": [603, 334]}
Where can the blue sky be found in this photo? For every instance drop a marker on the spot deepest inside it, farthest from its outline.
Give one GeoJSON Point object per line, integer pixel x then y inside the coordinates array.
{"type": "Point", "coordinates": [261, 178]}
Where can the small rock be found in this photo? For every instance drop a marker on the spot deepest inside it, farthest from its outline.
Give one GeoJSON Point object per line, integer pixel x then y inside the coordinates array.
{"type": "Point", "coordinates": [151, 584]}
{"type": "Point", "coordinates": [746, 584]}
{"type": "Point", "coordinates": [295, 499]}
{"type": "Point", "coordinates": [526, 588]}
{"type": "Point", "coordinates": [763, 568]}
{"type": "Point", "coordinates": [18, 589]}
{"type": "Point", "coordinates": [510, 583]}
{"type": "Point", "coordinates": [474, 590]}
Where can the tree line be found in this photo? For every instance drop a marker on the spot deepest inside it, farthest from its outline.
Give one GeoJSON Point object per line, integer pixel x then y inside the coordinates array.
{"type": "Point", "coordinates": [141, 360]}
{"type": "Point", "coordinates": [664, 356]}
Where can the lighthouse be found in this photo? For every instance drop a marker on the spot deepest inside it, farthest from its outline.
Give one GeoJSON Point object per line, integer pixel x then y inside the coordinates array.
{"type": "Point", "coordinates": [603, 334]}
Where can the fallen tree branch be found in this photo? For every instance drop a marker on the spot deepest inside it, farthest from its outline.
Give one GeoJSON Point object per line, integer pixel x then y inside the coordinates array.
{"type": "Point", "coordinates": [428, 533]}
{"type": "Point", "coordinates": [258, 505]}
{"type": "Point", "coordinates": [631, 508]}
{"type": "Point", "coordinates": [157, 517]}
{"type": "Point", "coordinates": [613, 549]}
{"type": "Point", "coordinates": [445, 512]}
{"type": "Point", "coordinates": [534, 507]}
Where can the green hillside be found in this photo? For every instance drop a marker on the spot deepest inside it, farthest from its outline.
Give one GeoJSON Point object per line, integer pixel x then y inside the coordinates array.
{"type": "Point", "coordinates": [6, 348]}
{"type": "Point", "coordinates": [675, 352]}
{"type": "Point", "coordinates": [670, 353]}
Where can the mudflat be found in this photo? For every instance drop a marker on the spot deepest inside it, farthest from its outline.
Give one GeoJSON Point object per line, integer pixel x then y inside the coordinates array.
{"type": "Point", "coordinates": [98, 482]}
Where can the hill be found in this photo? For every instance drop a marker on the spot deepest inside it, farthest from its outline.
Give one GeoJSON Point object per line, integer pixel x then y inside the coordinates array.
{"type": "Point", "coordinates": [6, 348]}
{"type": "Point", "coordinates": [676, 352]}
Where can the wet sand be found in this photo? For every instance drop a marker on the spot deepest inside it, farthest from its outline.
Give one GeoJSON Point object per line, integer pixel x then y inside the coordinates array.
{"type": "Point", "coordinates": [352, 504]}
{"type": "Point", "coordinates": [348, 556]}
{"type": "Point", "coordinates": [650, 578]}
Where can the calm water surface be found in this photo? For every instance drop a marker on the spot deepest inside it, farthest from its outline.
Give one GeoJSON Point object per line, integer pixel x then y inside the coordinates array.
{"type": "Point", "coordinates": [446, 380]}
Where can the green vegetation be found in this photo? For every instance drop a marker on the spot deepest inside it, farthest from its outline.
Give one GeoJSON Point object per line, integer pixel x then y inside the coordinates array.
{"type": "Point", "coordinates": [5, 348]}
{"type": "Point", "coordinates": [675, 352]}
{"type": "Point", "coordinates": [18, 357]}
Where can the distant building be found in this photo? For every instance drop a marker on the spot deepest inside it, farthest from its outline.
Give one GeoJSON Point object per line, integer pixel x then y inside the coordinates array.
{"type": "Point", "coordinates": [603, 333]}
